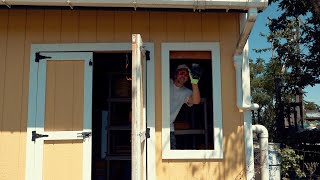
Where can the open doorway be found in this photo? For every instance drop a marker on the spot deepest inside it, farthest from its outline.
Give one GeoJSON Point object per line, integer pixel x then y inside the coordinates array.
{"type": "Point", "coordinates": [111, 116]}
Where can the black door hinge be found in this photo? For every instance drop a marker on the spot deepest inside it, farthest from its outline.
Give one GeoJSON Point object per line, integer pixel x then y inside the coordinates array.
{"type": "Point", "coordinates": [39, 57]}
{"type": "Point", "coordinates": [35, 135]}
{"type": "Point", "coordinates": [147, 55]}
{"type": "Point", "coordinates": [148, 133]}
{"type": "Point", "coordinates": [85, 134]}
{"type": "Point", "coordinates": [90, 63]}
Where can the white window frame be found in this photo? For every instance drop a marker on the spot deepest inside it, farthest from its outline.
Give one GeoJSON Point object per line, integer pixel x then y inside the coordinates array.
{"type": "Point", "coordinates": [217, 152]}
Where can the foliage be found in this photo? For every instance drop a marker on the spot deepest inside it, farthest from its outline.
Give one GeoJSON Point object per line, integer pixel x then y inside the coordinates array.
{"type": "Point", "coordinates": [262, 91]}
{"type": "Point", "coordinates": [290, 162]}
{"type": "Point", "coordinates": [311, 167]}
{"type": "Point", "coordinates": [296, 43]}
{"type": "Point", "coordinates": [295, 61]}
{"type": "Point", "coordinates": [311, 106]}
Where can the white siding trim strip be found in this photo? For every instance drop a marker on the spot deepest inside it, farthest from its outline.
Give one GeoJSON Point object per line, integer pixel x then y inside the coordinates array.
{"type": "Point", "coordinates": [31, 116]}
{"type": "Point", "coordinates": [87, 124]}
{"type": "Point", "coordinates": [151, 142]}
{"type": "Point", "coordinates": [39, 125]}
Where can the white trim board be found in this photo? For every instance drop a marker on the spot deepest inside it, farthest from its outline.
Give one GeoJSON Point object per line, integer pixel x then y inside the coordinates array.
{"type": "Point", "coordinates": [204, 4]}
{"type": "Point", "coordinates": [89, 47]}
{"type": "Point", "coordinates": [167, 153]}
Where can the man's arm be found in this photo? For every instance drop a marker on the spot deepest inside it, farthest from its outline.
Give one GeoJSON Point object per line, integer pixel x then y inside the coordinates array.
{"type": "Point", "coordinates": [195, 96]}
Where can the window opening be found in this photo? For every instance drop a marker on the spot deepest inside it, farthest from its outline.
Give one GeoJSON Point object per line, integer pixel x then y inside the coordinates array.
{"type": "Point", "coordinates": [193, 126]}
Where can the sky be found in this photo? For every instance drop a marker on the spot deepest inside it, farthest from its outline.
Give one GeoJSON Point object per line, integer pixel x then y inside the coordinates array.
{"type": "Point", "coordinates": [257, 42]}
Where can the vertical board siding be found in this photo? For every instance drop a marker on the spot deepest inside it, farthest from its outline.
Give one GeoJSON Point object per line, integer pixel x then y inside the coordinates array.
{"type": "Point", "coordinates": [20, 28]}
{"type": "Point", "coordinates": [52, 26]}
{"type": "Point", "coordinates": [64, 96]}
{"type": "Point", "coordinates": [123, 26]}
{"type": "Point", "coordinates": [12, 95]}
{"type": "Point", "coordinates": [210, 27]}
{"type": "Point", "coordinates": [88, 26]}
{"type": "Point", "coordinates": [4, 20]}
{"type": "Point", "coordinates": [64, 112]}
{"type": "Point", "coordinates": [14, 70]}
{"type": "Point", "coordinates": [140, 25]}
{"type": "Point", "coordinates": [78, 98]}
{"type": "Point", "coordinates": [105, 26]}
{"type": "Point", "coordinates": [192, 27]}
{"type": "Point", "coordinates": [69, 26]}
{"type": "Point", "coordinates": [174, 27]}
{"type": "Point", "coordinates": [232, 125]}
{"type": "Point", "coordinates": [63, 157]}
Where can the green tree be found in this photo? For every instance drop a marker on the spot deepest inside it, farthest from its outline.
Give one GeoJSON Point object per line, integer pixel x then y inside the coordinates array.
{"type": "Point", "coordinates": [262, 90]}
{"type": "Point", "coordinates": [311, 106]}
{"type": "Point", "coordinates": [296, 42]}
{"type": "Point", "coordinates": [295, 63]}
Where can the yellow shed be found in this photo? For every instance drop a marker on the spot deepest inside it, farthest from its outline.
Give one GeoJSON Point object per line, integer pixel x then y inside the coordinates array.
{"type": "Point", "coordinates": [84, 89]}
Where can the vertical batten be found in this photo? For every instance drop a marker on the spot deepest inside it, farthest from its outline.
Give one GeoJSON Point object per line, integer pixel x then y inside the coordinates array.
{"type": "Point", "coordinates": [123, 26]}
{"type": "Point", "coordinates": [140, 24]}
{"type": "Point", "coordinates": [193, 27]}
{"type": "Point", "coordinates": [105, 26]}
{"type": "Point", "coordinates": [4, 21]}
{"type": "Point", "coordinates": [174, 27]}
{"type": "Point", "coordinates": [12, 99]}
{"type": "Point", "coordinates": [14, 70]}
{"type": "Point", "coordinates": [70, 26]}
{"type": "Point", "coordinates": [210, 27]}
{"type": "Point", "coordinates": [88, 26]}
{"type": "Point", "coordinates": [52, 26]}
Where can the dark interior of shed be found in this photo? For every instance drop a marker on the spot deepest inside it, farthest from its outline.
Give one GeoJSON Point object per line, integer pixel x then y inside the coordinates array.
{"type": "Point", "coordinates": [111, 117]}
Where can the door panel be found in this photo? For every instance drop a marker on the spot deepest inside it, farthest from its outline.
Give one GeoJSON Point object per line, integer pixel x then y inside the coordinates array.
{"type": "Point", "coordinates": [61, 160]}
{"type": "Point", "coordinates": [138, 109]}
{"type": "Point", "coordinates": [64, 96]}
{"type": "Point", "coordinates": [62, 133]}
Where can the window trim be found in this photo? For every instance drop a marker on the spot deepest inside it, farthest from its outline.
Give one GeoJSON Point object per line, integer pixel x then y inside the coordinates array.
{"type": "Point", "coordinates": [167, 153]}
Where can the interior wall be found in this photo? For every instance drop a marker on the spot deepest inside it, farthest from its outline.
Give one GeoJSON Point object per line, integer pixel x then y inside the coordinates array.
{"type": "Point", "coordinates": [19, 28]}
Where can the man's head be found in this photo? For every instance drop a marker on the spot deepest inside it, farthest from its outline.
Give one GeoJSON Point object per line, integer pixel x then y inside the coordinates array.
{"type": "Point", "coordinates": [181, 75]}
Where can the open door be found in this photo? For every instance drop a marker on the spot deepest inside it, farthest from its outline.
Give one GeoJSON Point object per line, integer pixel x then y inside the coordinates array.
{"type": "Point", "coordinates": [139, 130]}
{"type": "Point", "coordinates": [59, 135]}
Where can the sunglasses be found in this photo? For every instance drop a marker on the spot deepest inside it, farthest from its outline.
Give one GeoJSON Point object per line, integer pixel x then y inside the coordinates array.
{"type": "Point", "coordinates": [183, 73]}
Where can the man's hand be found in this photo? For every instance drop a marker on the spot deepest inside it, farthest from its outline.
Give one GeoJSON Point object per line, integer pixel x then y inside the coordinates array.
{"type": "Point", "coordinates": [193, 79]}
{"type": "Point", "coordinates": [195, 73]}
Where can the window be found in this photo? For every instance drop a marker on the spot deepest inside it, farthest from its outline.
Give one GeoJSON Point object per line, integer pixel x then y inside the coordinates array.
{"type": "Point", "coordinates": [198, 129]}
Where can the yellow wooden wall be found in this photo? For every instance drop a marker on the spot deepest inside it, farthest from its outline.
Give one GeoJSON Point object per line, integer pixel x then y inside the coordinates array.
{"type": "Point", "coordinates": [19, 28]}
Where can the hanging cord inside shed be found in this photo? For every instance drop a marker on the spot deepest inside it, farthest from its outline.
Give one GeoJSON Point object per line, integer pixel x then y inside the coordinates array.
{"type": "Point", "coordinates": [127, 64]}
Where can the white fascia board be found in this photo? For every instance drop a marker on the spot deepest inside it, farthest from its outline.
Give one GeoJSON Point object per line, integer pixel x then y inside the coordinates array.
{"type": "Point", "coordinates": [205, 4]}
